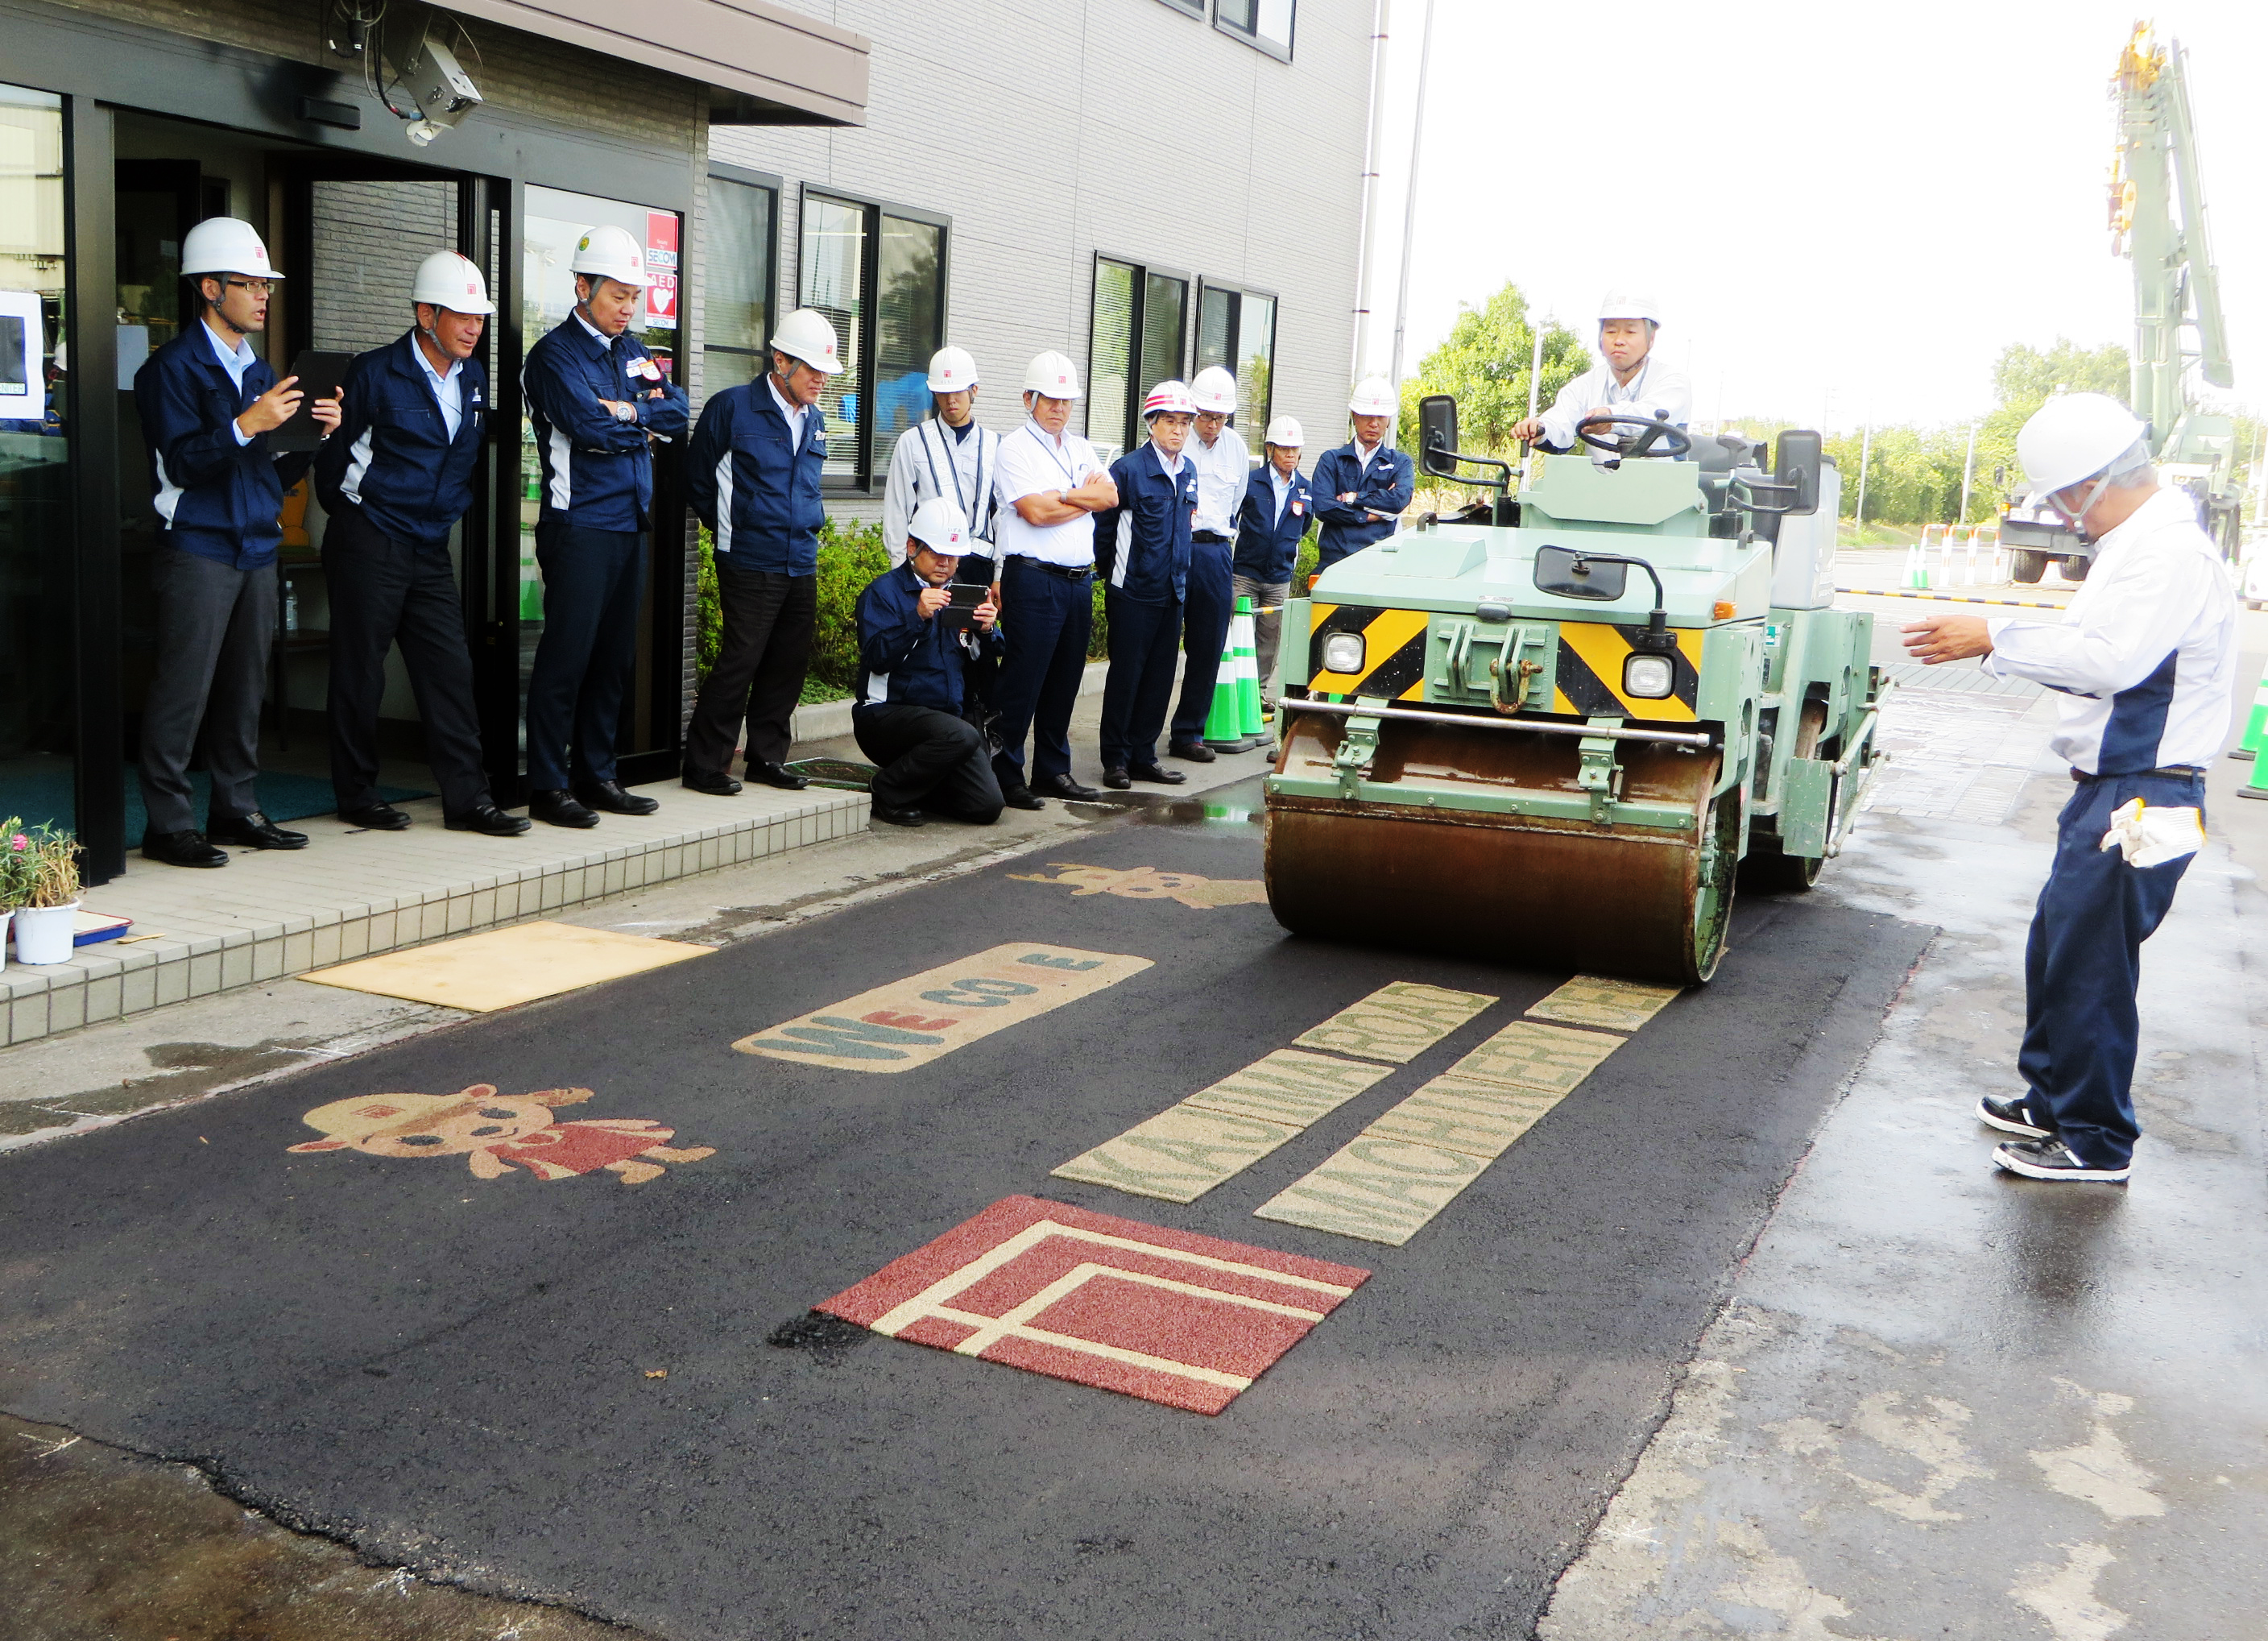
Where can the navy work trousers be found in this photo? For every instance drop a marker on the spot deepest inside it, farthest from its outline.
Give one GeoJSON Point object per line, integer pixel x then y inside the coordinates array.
{"type": "Point", "coordinates": [1204, 629]}
{"type": "Point", "coordinates": [2083, 962]}
{"type": "Point", "coordinates": [1139, 685]}
{"type": "Point", "coordinates": [593, 583]}
{"type": "Point", "coordinates": [928, 760]}
{"type": "Point", "coordinates": [1045, 619]}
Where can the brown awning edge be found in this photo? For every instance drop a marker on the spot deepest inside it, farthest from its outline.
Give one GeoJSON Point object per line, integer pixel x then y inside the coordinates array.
{"type": "Point", "coordinates": [763, 64]}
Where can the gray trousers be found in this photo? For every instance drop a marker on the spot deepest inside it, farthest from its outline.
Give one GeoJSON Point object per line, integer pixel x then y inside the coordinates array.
{"type": "Point", "coordinates": [1267, 625]}
{"type": "Point", "coordinates": [215, 626]}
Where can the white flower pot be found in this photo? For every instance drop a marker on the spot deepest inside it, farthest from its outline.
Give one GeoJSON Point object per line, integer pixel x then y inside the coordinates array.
{"type": "Point", "coordinates": [43, 934]}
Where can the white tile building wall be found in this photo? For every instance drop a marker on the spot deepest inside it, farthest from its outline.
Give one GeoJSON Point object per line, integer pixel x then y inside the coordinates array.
{"type": "Point", "coordinates": [1050, 131]}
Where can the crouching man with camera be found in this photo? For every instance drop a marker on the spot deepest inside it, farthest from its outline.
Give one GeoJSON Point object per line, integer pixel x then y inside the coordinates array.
{"type": "Point", "coordinates": [917, 629]}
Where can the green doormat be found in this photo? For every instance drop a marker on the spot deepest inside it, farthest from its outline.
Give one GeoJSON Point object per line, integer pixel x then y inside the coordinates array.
{"type": "Point", "coordinates": [839, 773]}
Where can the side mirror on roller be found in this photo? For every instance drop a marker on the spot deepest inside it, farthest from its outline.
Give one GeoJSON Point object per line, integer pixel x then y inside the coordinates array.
{"type": "Point", "coordinates": [1800, 455]}
{"type": "Point", "coordinates": [1566, 573]}
{"type": "Point", "coordinates": [1437, 434]}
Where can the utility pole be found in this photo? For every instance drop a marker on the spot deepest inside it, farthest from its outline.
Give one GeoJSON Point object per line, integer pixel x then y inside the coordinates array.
{"type": "Point", "coordinates": [1859, 518]}
{"type": "Point", "coordinates": [1409, 202]}
{"type": "Point", "coordinates": [1968, 471]}
{"type": "Point", "coordinates": [1366, 247]}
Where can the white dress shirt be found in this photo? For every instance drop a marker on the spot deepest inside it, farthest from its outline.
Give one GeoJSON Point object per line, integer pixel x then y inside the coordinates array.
{"type": "Point", "coordinates": [1222, 466]}
{"type": "Point", "coordinates": [1655, 388]}
{"type": "Point", "coordinates": [931, 460]}
{"type": "Point", "coordinates": [2145, 657]}
{"type": "Point", "coordinates": [1280, 484]}
{"type": "Point", "coordinates": [235, 361]}
{"type": "Point", "coordinates": [794, 414]}
{"type": "Point", "coordinates": [1032, 463]}
{"type": "Point", "coordinates": [448, 389]}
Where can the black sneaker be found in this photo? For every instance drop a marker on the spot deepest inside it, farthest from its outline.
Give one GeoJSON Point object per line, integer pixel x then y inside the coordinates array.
{"type": "Point", "coordinates": [2052, 1159]}
{"type": "Point", "coordinates": [2010, 1116]}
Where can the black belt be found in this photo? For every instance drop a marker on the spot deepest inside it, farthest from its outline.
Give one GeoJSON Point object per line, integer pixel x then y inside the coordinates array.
{"type": "Point", "coordinates": [2171, 771]}
{"type": "Point", "coordinates": [1069, 572]}
{"type": "Point", "coordinates": [1209, 535]}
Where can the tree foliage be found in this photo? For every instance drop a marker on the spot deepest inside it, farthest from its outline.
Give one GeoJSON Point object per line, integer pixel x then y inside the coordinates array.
{"type": "Point", "coordinates": [1486, 362]}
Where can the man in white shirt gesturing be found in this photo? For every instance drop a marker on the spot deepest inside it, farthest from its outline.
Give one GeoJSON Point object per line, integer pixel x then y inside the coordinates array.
{"type": "Point", "coordinates": [2144, 664]}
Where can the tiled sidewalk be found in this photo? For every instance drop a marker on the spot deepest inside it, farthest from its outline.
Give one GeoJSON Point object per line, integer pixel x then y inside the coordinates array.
{"type": "Point", "coordinates": [350, 893]}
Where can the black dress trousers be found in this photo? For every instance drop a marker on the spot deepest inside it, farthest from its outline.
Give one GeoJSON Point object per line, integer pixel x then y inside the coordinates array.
{"type": "Point", "coordinates": [384, 592]}
{"type": "Point", "coordinates": [762, 650]}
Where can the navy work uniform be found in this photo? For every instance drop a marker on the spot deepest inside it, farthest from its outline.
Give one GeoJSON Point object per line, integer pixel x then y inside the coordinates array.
{"type": "Point", "coordinates": [598, 501]}
{"type": "Point", "coordinates": [753, 473]}
{"type": "Point", "coordinates": [220, 497]}
{"type": "Point", "coordinates": [2144, 663]}
{"type": "Point", "coordinates": [394, 481]}
{"type": "Point", "coordinates": [1144, 544]}
{"type": "Point", "coordinates": [1269, 527]}
{"type": "Point", "coordinates": [1381, 480]}
{"type": "Point", "coordinates": [1046, 603]}
{"type": "Point", "coordinates": [1221, 469]}
{"type": "Point", "coordinates": [908, 715]}
{"type": "Point", "coordinates": [931, 460]}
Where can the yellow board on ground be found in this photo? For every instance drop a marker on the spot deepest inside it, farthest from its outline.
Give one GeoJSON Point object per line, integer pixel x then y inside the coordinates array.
{"type": "Point", "coordinates": [501, 967]}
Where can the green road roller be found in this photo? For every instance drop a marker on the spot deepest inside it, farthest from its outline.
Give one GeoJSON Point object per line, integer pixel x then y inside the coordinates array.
{"type": "Point", "coordinates": [1558, 729]}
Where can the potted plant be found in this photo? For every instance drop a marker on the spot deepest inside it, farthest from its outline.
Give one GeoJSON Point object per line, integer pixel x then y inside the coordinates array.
{"type": "Point", "coordinates": [14, 848]}
{"type": "Point", "coordinates": [45, 871]}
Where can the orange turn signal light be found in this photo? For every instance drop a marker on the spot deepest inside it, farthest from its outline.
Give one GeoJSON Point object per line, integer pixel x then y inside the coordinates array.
{"type": "Point", "coordinates": [1724, 610]}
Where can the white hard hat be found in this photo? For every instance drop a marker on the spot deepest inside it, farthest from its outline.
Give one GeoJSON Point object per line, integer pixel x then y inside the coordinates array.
{"type": "Point", "coordinates": [1286, 434]}
{"type": "Point", "coordinates": [939, 525]}
{"type": "Point", "coordinates": [1374, 396]}
{"type": "Point", "coordinates": [807, 335]}
{"type": "Point", "coordinates": [1214, 390]}
{"type": "Point", "coordinates": [448, 280]}
{"type": "Point", "coordinates": [2074, 436]}
{"type": "Point", "coordinates": [950, 370]}
{"type": "Point", "coordinates": [1169, 396]}
{"type": "Point", "coordinates": [1630, 304]}
{"type": "Point", "coordinates": [226, 245]}
{"type": "Point", "coordinates": [1052, 376]}
{"type": "Point", "coordinates": [606, 252]}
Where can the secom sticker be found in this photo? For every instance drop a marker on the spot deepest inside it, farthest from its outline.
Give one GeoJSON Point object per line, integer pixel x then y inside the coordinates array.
{"type": "Point", "coordinates": [927, 1016]}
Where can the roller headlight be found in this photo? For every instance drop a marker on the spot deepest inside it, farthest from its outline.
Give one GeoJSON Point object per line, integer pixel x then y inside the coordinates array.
{"type": "Point", "coordinates": [1649, 677]}
{"type": "Point", "coordinates": [1343, 651]}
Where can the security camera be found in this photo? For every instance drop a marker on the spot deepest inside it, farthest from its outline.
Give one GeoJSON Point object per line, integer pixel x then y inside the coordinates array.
{"type": "Point", "coordinates": [444, 92]}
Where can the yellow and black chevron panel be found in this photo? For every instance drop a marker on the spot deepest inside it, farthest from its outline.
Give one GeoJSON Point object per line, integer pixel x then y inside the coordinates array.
{"type": "Point", "coordinates": [1394, 651]}
{"type": "Point", "coordinates": [1589, 676]}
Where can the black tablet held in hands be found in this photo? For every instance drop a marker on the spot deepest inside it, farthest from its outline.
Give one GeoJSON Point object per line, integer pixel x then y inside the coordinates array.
{"type": "Point", "coordinates": [966, 597]}
{"type": "Point", "coordinates": [321, 375]}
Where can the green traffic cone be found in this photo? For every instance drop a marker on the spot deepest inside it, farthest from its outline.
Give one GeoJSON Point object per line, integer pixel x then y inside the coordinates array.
{"type": "Point", "coordinates": [2256, 725]}
{"type": "Point", "coordinates": [1248, 671]}
{"type": "Point", "coordinates": [1222, 719]}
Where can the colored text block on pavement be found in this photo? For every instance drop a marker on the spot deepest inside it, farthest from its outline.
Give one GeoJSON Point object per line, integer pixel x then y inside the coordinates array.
{"type": "Point", "coordinates": [1167, 1316]}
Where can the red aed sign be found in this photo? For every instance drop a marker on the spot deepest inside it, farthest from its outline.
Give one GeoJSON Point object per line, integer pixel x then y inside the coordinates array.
{"type": "Point", "coordinates": [661, 267]}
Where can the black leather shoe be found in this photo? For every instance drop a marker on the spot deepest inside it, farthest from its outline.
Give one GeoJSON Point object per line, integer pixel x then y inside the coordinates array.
{"type": "Point", "coordinates": [254, 830]}
{"type": "Point", "coordinates": [1021, 797]}
{"type": "Point", "coordinates": [717, 785]}
{"type": "Point", "coordinates": [376, 817]}
{"type": "Point", "coordinates": [1065, 787]}
{"type": "Point", "coordinates": [182, 849]}
{"type": "Point", "coordinates": [609, 795]}
{"type": "Point", "coordinates": [897, 816]}
{"type": "Point", "coordinates": [1195, 752]}
{"type": "Point", "coordinates": [775, 775]}
{"type": "Point", "coordinates": [1158, 774]}
{"type": "Point", "coordinates": [558, 808]}
{"type": "Point", "coordinates": [489, 819]}
{"type": "Point", "coordinates": [1116, 779]}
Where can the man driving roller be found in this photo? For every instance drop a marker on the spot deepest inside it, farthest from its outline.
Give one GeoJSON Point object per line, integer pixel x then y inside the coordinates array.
{"type": "Point", "coordinates": [1629, 383]}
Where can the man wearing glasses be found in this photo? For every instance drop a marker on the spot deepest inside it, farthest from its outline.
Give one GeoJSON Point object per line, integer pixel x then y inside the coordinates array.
{"type": "Point", "coordinates": [208, 404]}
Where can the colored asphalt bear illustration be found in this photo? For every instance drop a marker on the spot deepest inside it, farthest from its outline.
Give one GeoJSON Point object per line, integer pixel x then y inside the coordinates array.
{"type": "Point", "coordinates": [493, 1132]}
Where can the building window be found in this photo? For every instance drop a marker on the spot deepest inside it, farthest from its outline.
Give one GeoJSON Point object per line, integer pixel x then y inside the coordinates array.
{"type": "Point", "coordinates": [743, 228]}
{"type": "Point", "coordinates": [1141, 318]}
{"type": "Point", "coordinates": [1266, 24]}
{"type": "Point", "coordinates": [1194, 8]}
{"type": "Point", "coordinates": [1236, 329]}
{"type": "Point", "coordinates": [878, 273]}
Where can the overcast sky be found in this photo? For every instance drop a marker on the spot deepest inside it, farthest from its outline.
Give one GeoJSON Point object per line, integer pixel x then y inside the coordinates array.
{"type": "Point", "coordinates": [1846, 210]}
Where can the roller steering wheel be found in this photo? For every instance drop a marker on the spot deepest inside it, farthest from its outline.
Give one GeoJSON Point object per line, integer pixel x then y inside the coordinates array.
{"type": "Point", "coordinates": [1674, 440]}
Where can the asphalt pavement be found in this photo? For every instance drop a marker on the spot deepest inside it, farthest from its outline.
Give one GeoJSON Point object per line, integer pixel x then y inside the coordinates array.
{"type": "Point", "coordinates": [563, 1388]}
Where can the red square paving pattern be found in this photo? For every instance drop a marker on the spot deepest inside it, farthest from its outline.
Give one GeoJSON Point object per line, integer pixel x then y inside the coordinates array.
{"type": "Point", "coordinates": [1164, 1315]}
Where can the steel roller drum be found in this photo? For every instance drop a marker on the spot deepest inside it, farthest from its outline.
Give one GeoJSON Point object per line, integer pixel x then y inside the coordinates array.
{"type": "Point", "coordinates": [1527, 891]}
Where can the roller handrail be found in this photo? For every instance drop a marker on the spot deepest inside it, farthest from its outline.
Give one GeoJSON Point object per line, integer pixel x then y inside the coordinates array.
{"type": "Point", "coordinates": [1352, 709]}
